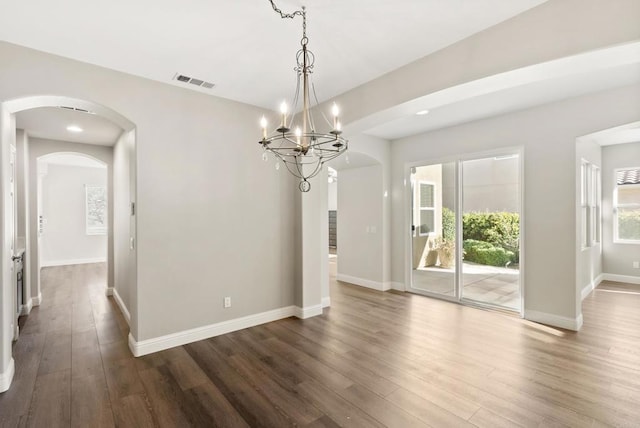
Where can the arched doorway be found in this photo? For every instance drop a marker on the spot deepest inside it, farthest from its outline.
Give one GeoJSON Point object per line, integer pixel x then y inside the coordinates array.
{"type": "Point", "coordinates": [123, 232]}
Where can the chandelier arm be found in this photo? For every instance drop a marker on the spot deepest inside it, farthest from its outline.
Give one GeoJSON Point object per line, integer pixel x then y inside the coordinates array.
{"type": "Point", "coordinates": [315, 97]}
{"type": "Point", "coordinates": [296, 97]}
{"type": "Point", "coordinates": [293, 172]}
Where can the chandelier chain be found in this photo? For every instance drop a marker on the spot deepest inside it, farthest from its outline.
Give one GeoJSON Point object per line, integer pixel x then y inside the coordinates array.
{"type": "Point", "coordinates": [302, 13]}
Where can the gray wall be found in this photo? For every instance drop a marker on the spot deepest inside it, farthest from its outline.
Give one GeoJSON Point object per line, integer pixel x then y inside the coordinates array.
{"type": "Point", "coordinates": [360, 230]}
{"type": "Point", "coordinates": [203, 193]}
{"type": "Point", "coordinates": [64, 239]}
{"type": "Point", "coordinates": [617, 258]}
{"type": "Point", "coordinates": [124, 222]}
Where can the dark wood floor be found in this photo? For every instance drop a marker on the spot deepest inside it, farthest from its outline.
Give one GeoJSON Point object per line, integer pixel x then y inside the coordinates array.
{"type": "Point", "coordinates": [374, 359]}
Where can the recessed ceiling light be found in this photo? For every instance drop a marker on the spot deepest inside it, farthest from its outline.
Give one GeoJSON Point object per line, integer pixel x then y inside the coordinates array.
{"type": "Point", "coordinates": [74, 128]}
{"type": "Point", "coordinates": [422, 112]}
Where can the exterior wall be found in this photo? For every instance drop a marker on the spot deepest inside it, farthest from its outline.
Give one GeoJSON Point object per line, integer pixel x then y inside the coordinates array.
{"type": "Point", "coordinates": [431, 174]}
{"type": "Point", "coordinates": [491, 185]}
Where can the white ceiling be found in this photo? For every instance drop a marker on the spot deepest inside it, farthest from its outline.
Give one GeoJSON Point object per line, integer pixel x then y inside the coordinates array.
{"type": "Point", "coordinates": [51, 123]}
{"type": "Point", "coordinates": [231, 43]}
{"type": "Point", "coordinates": [243, 46]}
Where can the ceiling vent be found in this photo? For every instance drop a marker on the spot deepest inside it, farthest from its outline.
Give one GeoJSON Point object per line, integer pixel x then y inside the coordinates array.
{"type": "Point", "coordinates": [193, 81]}
{"type": "Point", "coordinates": [81, 110]}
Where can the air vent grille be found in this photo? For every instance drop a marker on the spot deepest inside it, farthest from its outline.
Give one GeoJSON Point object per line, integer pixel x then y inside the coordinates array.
{"type": "Point", "coordinates": [193, 81]}
{"type": "Point", "coordinates": [81, 110]}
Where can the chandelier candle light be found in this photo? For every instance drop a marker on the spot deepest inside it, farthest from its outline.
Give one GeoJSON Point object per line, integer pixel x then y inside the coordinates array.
{"type": "Point", "coordinates": [296, 142]}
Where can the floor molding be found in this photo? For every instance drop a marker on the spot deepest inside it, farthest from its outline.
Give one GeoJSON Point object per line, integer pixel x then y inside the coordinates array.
{"type": "Point", "coordinates": [587, 289]}
{"type": "Point", "coordinates": [72, 262]}
{"type": "Point", "coordinates": [621, 278]}
{"type": "Point", "coordinates": [26, 308]}
{"type": "Point", "coordinates": [156, 344]}
{"type": "Point", "coordinates": [108, 291]}
{"type": "Point", "coordinates": [374, 285]}
{"type": "Point", "coordinates": [6, 377]}
{"type": "Point", "coordinates": [398, 286]}
{"type": "Point", "coordinates": [554, 320]}
{"type": "Point", "coordinates": [308, 312]}
{"type": "Point", "coordinates": [37, 300]}
{"type": "Point", "coordinates": [326, 302]}
{"type": "Point", "coordinates": [121, 305]}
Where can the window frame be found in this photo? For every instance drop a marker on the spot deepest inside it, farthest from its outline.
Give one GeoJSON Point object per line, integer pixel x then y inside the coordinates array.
{"type": "Point", "coordinates": [421, 208]}
{"type": "Point", "coordinates": [595, 217]}
{"type": "Point", "coordinates": [617, 206]}
{"type": "Point", "coordinates": [585, 209]}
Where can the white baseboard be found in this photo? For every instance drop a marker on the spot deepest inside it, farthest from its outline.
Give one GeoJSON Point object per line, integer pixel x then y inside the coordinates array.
{"type": "Point", "coordinates": [122, 306]}
{"type": "Point", "coordinates": [375, 285]}
{"type": "Point", "coordinates": [6, 377]}
{"type": "Point", "coordinates": [308, 312]}
{"type": "Point", "coordinates": [26, 308]}
{"type": "Point", "coordinates": [50, 263]}
{"type": "Point", "coordinates": [399, 286]}
{"type": "Point", "coordinates": [108, 291]}
{"type": "Point", "coordinates": [144, 347]}
{"type": "Point", "coordinates": [555, 320]}
{"type": "Point", "coordinates": [587, 289]}
{"type": "Point", "coordinates": [621, 278]}
{"type": "Point", "coordinates": [37, 300]}
{"type": "Point", "coordinates": [326, 302]}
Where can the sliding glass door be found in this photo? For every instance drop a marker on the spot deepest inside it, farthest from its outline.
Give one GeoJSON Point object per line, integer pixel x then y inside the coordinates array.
{"type": "Point", "coordinates": [433, 231]}
{"type": "Point", "coordinates": [491, 231]}
{"type": "Point", "coordinates": [465, 231]}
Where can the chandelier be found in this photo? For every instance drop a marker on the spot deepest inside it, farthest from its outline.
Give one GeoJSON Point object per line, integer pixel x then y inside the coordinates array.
{"type": "Point", "coordinates": [297, 142]}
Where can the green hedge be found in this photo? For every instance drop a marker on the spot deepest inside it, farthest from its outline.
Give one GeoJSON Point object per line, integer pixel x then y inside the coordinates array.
{"type": "Point", "coordinates": [501, 229]}
{"type": "Point", "coordinates": [486, 254]}
{"type": "Point", "coordinates": [448, 225]}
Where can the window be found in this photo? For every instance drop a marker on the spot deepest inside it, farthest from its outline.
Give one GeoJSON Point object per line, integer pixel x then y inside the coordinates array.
{"type": "Point", "coordinates": [96, 209]}
{"type": "Point", "coordinates": [590, 204]}
{"type": "Point", "coordinates": [584, 204]}
{"type": "Point", "coordinates": [427, 208]}
{"type": "Point", "coordinates": [627, 206]}
{"type": "Point", "coordinates": [596, 212]}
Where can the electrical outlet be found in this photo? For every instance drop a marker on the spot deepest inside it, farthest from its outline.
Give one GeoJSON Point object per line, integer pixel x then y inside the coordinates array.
{"type": "Point", "coordinates": [636, 265]}
{"type": "Point", "coordinates": [227, 302]}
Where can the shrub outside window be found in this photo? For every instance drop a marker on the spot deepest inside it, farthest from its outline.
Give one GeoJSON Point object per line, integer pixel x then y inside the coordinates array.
{"type": "Point", "coordinates": [627, 206]}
